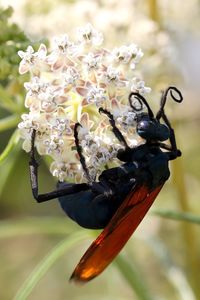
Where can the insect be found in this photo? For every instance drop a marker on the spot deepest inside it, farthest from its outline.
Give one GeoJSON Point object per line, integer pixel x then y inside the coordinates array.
{"type": "Point", "coordinates": [121, 197]}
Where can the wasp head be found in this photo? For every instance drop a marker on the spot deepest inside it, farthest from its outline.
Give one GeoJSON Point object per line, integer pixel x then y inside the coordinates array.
{"type": "Point", "coordinates": [151, 129]}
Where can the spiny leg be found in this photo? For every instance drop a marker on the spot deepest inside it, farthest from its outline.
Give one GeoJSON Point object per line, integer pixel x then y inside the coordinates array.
{"type": "Point", "coordinates": [80, 152]}
{"type": "Point", "coordinates": [33, 166]}
{"type": "Point", "coordinates": [116, 131]}
{"type": "Point", "coordinates": [162, 145]}
{"type": "Point", "coordinates": [173, 153]}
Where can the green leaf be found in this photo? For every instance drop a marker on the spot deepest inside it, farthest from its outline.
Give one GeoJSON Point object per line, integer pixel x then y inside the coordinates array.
{"type": "Point", "coordinates": [9, 122]}
{"type": "Point", "coordinates": [7, 166]}
{"type": "Point", "coordinates": [41, 269]}
{"type": "Point", "coordinates": [178, 216]}
{"type": "Point", "coordinates": [11, 144]}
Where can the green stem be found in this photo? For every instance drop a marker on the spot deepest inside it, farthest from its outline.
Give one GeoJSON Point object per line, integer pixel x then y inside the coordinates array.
{"type": "Point", "coordinates": [154, 11]}
{"type": "Point", "coordinates": [9, 122]}
{"type": "Point", "coordinates": [178, 216]}
{"type": "Point", "coordinates": [134, 280]}
{"type": "Point", "coordinates": [191, 247]}
{"type": "Point", "coordinates": [173, 273]}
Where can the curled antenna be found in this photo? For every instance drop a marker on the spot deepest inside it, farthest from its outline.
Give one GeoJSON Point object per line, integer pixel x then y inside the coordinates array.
{"type": "Point", "coordinates": [177, 98]}
{"type": "Point", "coordinates": [141, 100]}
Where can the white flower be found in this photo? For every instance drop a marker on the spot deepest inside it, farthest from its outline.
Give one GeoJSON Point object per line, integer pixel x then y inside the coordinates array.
{"type": "Point", "coordinates": [64, 170]}
{"type": "Point", "coordinates": [136, 52]}
{"type": "Point", "coordinates": [97, 150]}
{"type": "Point", "coordinates": [60, 122]}
{"type": "Point", "coordinates": [112, 76]}
{"type": "Point", "coordinates": [96, 95]}
{"type": "Point", "coordinates": [88, 35]}
{"type": "Point", "coordinates": [122, 54]}
{"type": "Point", "coordinates": [139, 86]}
{"type": "Point", "coordinates": [50, 98]}
{"type": "Point", "coordinates": [70, 76]}
{"type": "Point", "coordinates": [35, 86]}
{"type": "Point", "coordinates": [62, 43]}
{"type": "Point", "coordinates": [127, 55]}
{"type": "Point", "coordinates": [30, 59]}
{"type": "Point", "coordinates": [92, 61]}
{"type": "Point", "coordinates": [62, 126]}
{"type": "Point", "coordinates": [69, 85]}
{"type": "Point", "coordinates": [29, 122]}
{"type": "Point", "coordinates": [136, 55]}
{"type": "Point", "coordinates": [54, 144]}
{"type": "Point", "coordinates": [47, 102]}
{"type": "Point", "coordinates": [27, 56]}
{"type": "Point", "coordinates": [127, 119]}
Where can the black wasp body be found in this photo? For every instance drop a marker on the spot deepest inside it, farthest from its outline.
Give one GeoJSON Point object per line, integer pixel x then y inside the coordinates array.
{"type": "Point", "coordinates": [95, 207]}
{"type": "Point", "coordinates": [93, 204]}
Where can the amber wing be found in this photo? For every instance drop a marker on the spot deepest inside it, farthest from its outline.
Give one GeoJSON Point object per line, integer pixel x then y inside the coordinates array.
{"type": "Point", "coordinates": [115, 235]}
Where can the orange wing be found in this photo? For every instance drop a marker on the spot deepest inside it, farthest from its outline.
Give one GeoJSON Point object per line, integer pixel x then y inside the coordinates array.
{"type": "Point", "coordinates": [115, 235]}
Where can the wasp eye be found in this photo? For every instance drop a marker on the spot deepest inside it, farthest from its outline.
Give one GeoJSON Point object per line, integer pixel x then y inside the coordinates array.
{"type": "Point", "coordinates": [152, 130]}
{"type": "Point", "coordinates": [163, 132]}
{"type": "Point", "coordinates": [144, 129]}
{"type": "Point", "coordinates": [143, 125]}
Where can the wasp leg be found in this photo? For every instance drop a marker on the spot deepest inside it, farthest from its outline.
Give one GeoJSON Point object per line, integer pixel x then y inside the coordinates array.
{"type": "Point", "coordinates": [175, 152]}
{"type": "Point", "coordinates": [162, 145]}
{"type": "Point", "coordinates": [87, 208]}
{"type": "Point", "coordinates": [33, 166]}
{"type": "Point", "coordinates": [116, 131]}
{"type": "Point", "coordinates": [80, 152]}
{"type": "Point", "coordinates": [102, 188]}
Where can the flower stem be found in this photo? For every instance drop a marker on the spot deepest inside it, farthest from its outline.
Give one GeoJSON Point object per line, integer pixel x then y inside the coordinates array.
{"type": "Point", "coordinates": [154, 11]}
{"type": "Point", "coordinates": [178, 216]}
{"type": "Point", "coordinates": [191, 247]}
{"type": "Point", "coordinates": [134, 280]}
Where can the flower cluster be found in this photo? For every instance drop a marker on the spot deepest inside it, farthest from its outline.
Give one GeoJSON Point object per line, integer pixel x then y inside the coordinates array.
{"type": "Point", "coordinates": [69, 85]}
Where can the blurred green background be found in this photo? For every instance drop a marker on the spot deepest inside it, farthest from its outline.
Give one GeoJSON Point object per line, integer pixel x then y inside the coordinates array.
{"type": "Point", "coordinates": [39, 246]}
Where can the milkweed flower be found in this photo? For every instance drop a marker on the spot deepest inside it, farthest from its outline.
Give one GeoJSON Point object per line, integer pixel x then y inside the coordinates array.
{"type": "Point", "coordinates": [69, 84]}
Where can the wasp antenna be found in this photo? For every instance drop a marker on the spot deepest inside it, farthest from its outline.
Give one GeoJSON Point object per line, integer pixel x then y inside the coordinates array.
{"type": "Point", "coordinates": [177, 98]}
{"type": "Point", "coordinates": [141, 100]}
{"type": "Point", "coordinates": [180, 97]}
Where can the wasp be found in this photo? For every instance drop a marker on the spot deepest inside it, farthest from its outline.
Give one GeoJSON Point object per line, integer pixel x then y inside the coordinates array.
{"type": "Point", "coordinates": [121, 197]}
